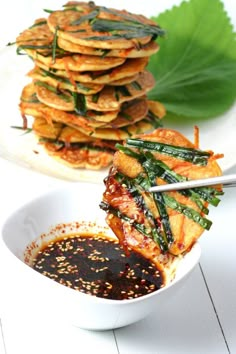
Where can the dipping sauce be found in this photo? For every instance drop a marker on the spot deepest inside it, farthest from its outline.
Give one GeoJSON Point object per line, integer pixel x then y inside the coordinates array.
{"type": "Point", "coordinates": [98, 266]}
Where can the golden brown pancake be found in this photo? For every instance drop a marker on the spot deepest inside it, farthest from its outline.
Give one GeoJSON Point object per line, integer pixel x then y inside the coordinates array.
{"type": "Point", "coordinates": [30, 105]}
{"type": "Point", "coordinates": [78, 28]}
{"type": "Point", "coordinates": [59, 131]}
{"type": "Point", "coordinates": [185, 230]}
{"type": "Point", "coordinates": [145, 50]}
{"type": "Point", "coordinates": [76, 62]}
{"type": "Point", "coordinates": [110, 98]}
{"type": "Point", "coordinates": [130, 113]}
{"type": "Point", "coordinates": [38, 35]}
{"type": "Point", "coordinates": [41, 75]}
{"type": "Point", "coordinates": [129, 68]}
{"type": "Point", "coordinates": [89, 83]}
{"type": "Point", "coordinates": [50, 131]}
{"type": "Point", "coordinates": [69, 146]}
{"type": "Point", "coordinates": [157, 108]}
{"type": "Point", "coordinates": [140, 127]}
{"type": "Point", "coordinates": [87, 157]}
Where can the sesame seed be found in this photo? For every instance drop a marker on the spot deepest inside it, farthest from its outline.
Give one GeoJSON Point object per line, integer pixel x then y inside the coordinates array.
{"type": "Point", "coordinates": [98, 266]}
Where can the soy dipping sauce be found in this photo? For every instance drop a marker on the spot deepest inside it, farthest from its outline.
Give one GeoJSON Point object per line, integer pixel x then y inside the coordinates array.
{"type": "Point", "coordinates": [98, 266]}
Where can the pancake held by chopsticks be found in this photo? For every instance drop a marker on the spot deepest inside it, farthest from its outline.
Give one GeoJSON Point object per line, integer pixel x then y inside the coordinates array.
{"type": "Point", "coordinates": [161, 226]}
{"type": "Point", "coordinates": [89, 83]}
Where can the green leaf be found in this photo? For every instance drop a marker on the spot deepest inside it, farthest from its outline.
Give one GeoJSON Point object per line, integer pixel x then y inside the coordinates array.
{"type": "Point", "coordinates": [195, 69]}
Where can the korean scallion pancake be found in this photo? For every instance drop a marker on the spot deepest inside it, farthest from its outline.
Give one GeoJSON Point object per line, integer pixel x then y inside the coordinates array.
{"type": "Point", "coordinates": [38, 37]}
{"type": "Point", "coordinates": [63, 133]}
{"type": "Point", "coordinates": [59, 131]}
{"type": "Point", "coordinates": [110, 98]}
{"type": "Point", "coordinates": [180, 223]}
{"type": "Point", "coordinates": [125, 81]}
{"type": "Point", "coordinates": [141, 127]}
{"type": "Point", "coordinates": [130, 113]}
{"type": "Point", "coordinates": [76, 62]}
{"type": "Point", "coordinates": [71, 147]}
{"type": "Point", "coordinates": [42, 128]}
{"type": "Point", "coordinates": [103, 28]}
{"type": "Point", "coordinates": [30, 105]}
{"type": "Point", "coordinates": [80, 155]}
{"type": "Point", "coordinates": [145, 50]}
{"type": "Point", "coordinates": [38, 74]}
{"type": "Point", "coordinates": [29, 100]}
{"type": "Point", "coordinates": [129, 68]}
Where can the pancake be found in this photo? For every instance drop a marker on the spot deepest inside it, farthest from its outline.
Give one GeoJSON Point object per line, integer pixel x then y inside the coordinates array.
{"type": "Point", "coordinates": [156, 108]}
{"type": "Point", "coordinates": [81, 156]}
{"type": "Point", "coordinates": [30, 105]}
{"type": "Point", "coordinates": [59, 131]}
{"type": "Point", "coordinates": [110, 98]}
{"type": "Point", "coordinates": [141, 51]}
{"type": "Point", "coordinates": [89, 82]}
{"type": "Point", "coordinates": [168, 219]}
{"type": "Point", "coordinates": [37, 36]}
{"type": "Point", "coordinates": [50, 131]}
{"type": "Point", "coordinates": [76, 62]}
{"type": "Point", "coordinates": [73, 148]}
{"type": "Point", "coordinates": [38, 74]}
{"type": "Point", "coordinates": [96, 28]}
{"type": "Point", "coordinates": [117, 134]}
{"type": "Point", "coordinates": [125, 80]}
{"type": "Point", "coordinates": [130, 114]}
{"type": "Point", "coordinates": [128, 69]}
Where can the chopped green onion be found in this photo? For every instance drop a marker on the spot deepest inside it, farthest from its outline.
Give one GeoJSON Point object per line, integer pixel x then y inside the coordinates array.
{"type": "Point", "coordinates": [38, 24]}
{"type": "Point", "coordinates": [192, 155]}
{"type": "Point", "coordinates": [80, 103]}
{"type": "Point", "coordinates": [127, 27]}
{"type": "Point", "coordinates": [26, 130]}
{"type": "Point", "coordinates": [134, 190]}
{"type": "Point", "coordinates": [189, 212]}
{"type": "Point", "coordinates": [55, 90]}
{"type": "Point", "coordinates": [160, 203]}
{"type": "Point", "coordinates": [54, 45]}
{"type": "Point", "coordinates": [139, 227]}
{"type": "Point", "coordinates": [121, 90]}
{"type": "Point", "coordinates": [88, 17]}
{"type": "Point", "coordinates": [136, 85]}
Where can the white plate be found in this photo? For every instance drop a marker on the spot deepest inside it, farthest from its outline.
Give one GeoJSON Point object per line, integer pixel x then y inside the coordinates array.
{"type": "Point", "coordinates": [217, 134]}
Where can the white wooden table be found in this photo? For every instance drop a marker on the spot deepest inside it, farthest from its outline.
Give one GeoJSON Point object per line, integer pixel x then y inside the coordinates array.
{"type": "Point", "coordinates": [202, 317]}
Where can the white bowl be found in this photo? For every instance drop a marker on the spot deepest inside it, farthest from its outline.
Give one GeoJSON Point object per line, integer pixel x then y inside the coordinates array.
{"type": "Point", "coordinates": [78, 202]}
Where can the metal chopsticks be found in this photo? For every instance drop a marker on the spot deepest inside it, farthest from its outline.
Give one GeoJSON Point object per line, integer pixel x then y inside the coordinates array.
{"type": "Point", "coordinates": [226, 181]}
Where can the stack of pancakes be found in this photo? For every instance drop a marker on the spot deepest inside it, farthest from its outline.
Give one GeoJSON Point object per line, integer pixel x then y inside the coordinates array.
{"type": "Point", "coordinates": [89, 84]}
